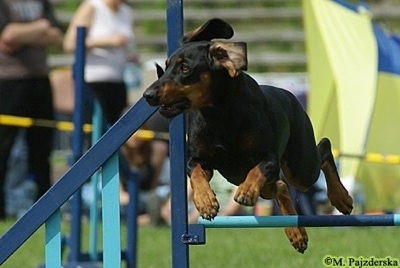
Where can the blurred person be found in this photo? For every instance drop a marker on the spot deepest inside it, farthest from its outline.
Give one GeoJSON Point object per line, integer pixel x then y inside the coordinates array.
{"type": "Point", "coordinates": [161, 165]}
{"type": "Point", "coordinates": [136, 161]}
{"type": "Point", "coordinates": [16, 185]}
{"type": "Point", "coordinates": [27, 28]}
{"type": "Point", "coordinates": [160, 148]}
{"type": "Point", "coordinates": [109, 42]}
{"type": "Point", "coordinates": [148, 158]}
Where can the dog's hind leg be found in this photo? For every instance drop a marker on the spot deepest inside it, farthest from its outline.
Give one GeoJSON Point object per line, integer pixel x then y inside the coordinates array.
{"type": "Point", "coordinates": [337, 194]}
{"type": "Point", "coordinates": [297, 235]}
{"type": "Point", "coordinates": [255, 185]}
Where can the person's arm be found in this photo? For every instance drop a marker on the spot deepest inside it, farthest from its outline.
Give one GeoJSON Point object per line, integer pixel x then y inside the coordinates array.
{"type": "Point", "coordinates": [41, 32]}
{"type": "Point", "coordinates": [54, 34]}
{"type": "Point", "coordinates": [83, 17]}
{"type": "Point", "coordinates": [17, 35]}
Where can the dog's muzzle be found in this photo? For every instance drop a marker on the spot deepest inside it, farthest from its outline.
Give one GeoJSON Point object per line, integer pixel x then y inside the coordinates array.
{"type": "Point", "coordinates": [150, 95]}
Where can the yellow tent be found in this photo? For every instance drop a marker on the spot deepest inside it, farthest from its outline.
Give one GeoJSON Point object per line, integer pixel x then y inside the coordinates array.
{"type": "Point", "coordinates": [354, 73]}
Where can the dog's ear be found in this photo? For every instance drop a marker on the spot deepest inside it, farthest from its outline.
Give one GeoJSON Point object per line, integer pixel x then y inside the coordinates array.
{"type": "Point", "coordinates": [160, 70]}
{"type": "Point", "coordinates": [214, 28]}
{"type": "Point", "coordinates": [231, 56]}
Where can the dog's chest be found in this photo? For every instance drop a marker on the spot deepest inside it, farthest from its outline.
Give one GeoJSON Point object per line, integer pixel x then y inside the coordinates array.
{"type": "Point", "coordinates": [216, 134]}
{"type": "Point", "coordinates": [232, 160]}
{"type": "Point", "coordinates": [232, 149]}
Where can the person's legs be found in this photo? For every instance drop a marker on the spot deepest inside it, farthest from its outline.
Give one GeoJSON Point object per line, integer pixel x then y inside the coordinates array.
{"type": "Point", "coordinates": [16, 173]}
{"type": "Point", "coordinates": [11, 94]}
{"type": "Point", "coordinates": [7, 135]}
{"type": "Point", "coordinates": [112, 98]}
{"type": "Point", "coordinates": [40, 139]}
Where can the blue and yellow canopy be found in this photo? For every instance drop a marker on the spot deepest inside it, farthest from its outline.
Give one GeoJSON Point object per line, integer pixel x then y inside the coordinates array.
{"type": "Point", "coordinates": [354, 74]}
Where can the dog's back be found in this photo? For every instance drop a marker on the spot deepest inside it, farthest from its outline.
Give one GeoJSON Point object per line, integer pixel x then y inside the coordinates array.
{"type": "Point", "coordinates": [234, 136]}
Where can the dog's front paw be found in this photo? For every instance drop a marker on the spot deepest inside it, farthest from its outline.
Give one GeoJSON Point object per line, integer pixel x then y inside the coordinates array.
{"type": "Point", "coordinates": [297, 237]}
{"type": "Point", "coordinates": [247, 194]}
{"type": "Point", "coordinates": [206, 204]}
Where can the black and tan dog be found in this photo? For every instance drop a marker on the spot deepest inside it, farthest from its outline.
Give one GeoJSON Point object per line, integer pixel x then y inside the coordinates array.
{"type": "Point", "coordinates": [248, 132]}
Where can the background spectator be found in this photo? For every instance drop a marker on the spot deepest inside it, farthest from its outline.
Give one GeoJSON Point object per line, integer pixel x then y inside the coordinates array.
{"type": "Point", "coordinates": [109, 39]}
{"type": "Point", "coordinates": [27, 27]}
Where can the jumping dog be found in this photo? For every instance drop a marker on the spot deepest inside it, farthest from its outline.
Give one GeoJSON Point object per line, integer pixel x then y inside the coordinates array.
{"type": "Point", "coordinates": [258, 137]}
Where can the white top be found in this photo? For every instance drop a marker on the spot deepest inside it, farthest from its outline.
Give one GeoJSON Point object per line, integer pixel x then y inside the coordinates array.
{"type": "Point", "coordinates": [107, 64]}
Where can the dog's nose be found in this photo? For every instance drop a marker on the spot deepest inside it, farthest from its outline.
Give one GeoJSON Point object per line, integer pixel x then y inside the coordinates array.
{"type": "Point", "coordinates": [151, 96]}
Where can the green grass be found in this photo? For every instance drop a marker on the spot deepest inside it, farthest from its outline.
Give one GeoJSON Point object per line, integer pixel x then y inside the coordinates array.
{"type": "Point", "coordinates": [263, 247]}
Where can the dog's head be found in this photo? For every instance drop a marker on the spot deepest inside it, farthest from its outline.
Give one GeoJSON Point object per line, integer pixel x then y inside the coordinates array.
{"type": "Point", "coordinates": [185, 84]}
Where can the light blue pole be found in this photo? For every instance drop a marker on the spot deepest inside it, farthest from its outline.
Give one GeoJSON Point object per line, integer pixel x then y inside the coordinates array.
{"type": "Point", "coordinates": [97, 131]}
{"type": "Point", "coordinates": [304, 221]}
{"type": "Point", "coordinates": [250, 221]}
{"type": "Point", "coordinates": [53, 240]}
{"type": "Point", "coordinates": [111, 214]}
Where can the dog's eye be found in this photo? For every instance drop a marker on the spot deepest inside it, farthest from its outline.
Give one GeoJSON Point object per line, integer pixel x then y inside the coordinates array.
{"type": "Point", "coordinates": [185, 68]}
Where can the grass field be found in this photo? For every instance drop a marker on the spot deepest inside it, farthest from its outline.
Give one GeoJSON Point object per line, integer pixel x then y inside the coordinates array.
{"type": "Point", "coordinates": [263, 247]}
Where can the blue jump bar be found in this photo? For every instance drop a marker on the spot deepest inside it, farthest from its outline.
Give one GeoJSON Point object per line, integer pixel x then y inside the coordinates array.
{"type": "Point", "coordinates": [301, 221]}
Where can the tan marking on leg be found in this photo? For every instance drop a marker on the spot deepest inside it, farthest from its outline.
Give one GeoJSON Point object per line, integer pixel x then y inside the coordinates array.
{"type": "Point", "coordinates": [255, 185]}
{"type": "Point", "coordinates": [203, 196]}
{"type": "Point", "coordinates": [337, 194]}
{"type": "Point", "coordinates": [249, 191]}
{"type": "Point", "coordinates": [297, 235]}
